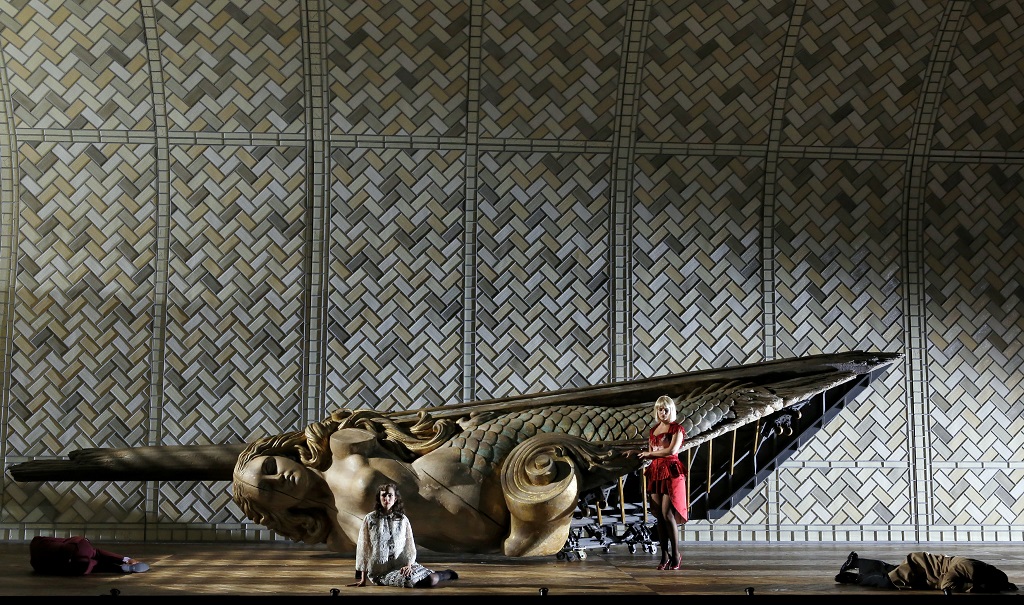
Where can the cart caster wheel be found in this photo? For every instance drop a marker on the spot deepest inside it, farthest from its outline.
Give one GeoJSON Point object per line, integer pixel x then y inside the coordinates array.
{"type": "Point", "coordinates": [583, 555]}
{"type": "Point", "coordinates": [560, 556]}
{"type": "Point", "coordinates": [632, 549]}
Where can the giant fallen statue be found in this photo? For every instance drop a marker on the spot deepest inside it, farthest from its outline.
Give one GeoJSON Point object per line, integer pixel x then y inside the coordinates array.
{"type": "Point", "coordinates": [494, 476]}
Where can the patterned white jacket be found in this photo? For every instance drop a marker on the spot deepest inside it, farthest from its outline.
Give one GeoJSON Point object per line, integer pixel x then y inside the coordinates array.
{"type": "Point", "coordinates": [385, 543]}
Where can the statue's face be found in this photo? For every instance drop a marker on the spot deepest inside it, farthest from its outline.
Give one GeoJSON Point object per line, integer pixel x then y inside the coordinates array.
{"type": "Point", "coordinates": [277, 482]}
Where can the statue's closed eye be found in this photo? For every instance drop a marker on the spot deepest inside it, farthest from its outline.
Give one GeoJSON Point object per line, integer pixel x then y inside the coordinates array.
{"type": "Point", "coordinates": [269, 466]}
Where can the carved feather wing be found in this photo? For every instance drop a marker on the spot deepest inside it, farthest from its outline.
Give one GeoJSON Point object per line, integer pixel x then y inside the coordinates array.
{"type": "Point", "coordinates": [784, 377]}
{"type": "Point", "coordinates": [719, 408]}
{"type": "Point", "coordinates": [709, 403]}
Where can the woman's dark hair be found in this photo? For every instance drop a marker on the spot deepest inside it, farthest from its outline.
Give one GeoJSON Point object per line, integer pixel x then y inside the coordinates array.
{"type": "Point", "coordinates": [398, 508]}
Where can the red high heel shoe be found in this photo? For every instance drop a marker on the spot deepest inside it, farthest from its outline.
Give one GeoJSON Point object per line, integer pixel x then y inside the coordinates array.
{"type": "Point", "coordinates": [663, 565]}
{"type": "Point", "coordinates": [678, 563]}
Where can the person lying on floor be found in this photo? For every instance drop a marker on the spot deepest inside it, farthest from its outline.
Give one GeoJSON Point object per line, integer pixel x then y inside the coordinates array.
{"type": "Point", "coordinates": [924, 570]}
{"type": "Point", "coordinates": [76, 556]}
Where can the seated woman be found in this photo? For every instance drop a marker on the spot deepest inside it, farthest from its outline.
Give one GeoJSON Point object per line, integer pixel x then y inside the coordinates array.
{"type": "Point", "coordinates": [386, 550]}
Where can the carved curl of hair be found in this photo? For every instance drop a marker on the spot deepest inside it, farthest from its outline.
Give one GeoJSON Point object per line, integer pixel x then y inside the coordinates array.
{"type": "Point", "coordinates": [406, 442]}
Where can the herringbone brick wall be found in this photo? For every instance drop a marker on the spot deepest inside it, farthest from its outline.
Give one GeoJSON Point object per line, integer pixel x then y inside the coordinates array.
{"type": "Point", "coordinates": [220, 220]}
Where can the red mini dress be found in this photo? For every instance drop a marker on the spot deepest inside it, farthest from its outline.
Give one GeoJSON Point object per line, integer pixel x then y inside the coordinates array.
{"type": "Point", "coordinates": [667, 475]}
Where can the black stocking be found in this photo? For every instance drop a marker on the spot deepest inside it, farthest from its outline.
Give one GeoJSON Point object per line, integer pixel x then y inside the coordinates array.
{"type": "Point", "coordinates": [435, 578]}
{"type": "Point", "coordinates": [668, 513]}
{"type": "Point", "coordinates": [660, 526]}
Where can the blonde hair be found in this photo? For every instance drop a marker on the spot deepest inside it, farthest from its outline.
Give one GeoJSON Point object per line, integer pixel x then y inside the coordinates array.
{"type": "Point", "coordinates": [669, 404]}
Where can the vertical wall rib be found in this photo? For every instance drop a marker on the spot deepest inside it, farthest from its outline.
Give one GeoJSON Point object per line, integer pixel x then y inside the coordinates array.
{"type": "Point", "coordinates": [163, 219]}
{"type": "Point", "coordinates": [469, 243]}
{"type": "Point", "coordinates": [314, 399]}
{"type": "Point", "coordinates": [914, 303]}
{"type": "Point", "coordinates": [8, 249]}
{"type": "Point", "coordinates": [768, 250]}
{"type": "Point", "coordinates": [771, 168]}
{"type": "Point", "coordinates": [620, 263]}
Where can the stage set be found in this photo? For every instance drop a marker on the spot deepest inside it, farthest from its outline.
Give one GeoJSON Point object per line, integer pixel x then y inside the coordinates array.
{"type": "Point", "coordinates": [259, 257]}
{"type": "Point", "coordinates": [531, 495]}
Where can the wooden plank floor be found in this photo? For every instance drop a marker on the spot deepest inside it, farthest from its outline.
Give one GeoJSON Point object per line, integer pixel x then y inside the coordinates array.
{"type": "Point", "coordinates": [286, 570]}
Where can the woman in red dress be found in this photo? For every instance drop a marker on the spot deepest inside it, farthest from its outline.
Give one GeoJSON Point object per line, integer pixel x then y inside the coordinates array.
{"type": "Point", "coordinates": [76, 556]}
{"type": "Point", "coordinates": [666, 480]}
